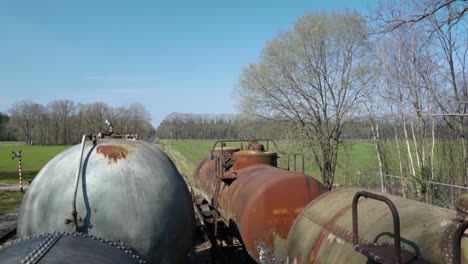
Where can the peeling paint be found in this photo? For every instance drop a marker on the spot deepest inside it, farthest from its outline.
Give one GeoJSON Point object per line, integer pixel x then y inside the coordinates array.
{"type": "Point", "coordinates": [340, 241]}
{"type": "Point", "coordinates": [444, 223]}
{"type": "Point", "coordinates": [330, 238]}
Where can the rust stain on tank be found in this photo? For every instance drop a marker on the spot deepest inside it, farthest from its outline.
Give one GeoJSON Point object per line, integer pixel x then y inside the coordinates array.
{"type": "Point", "coordinates": [324, 232]}
{"type": "Point", "coordinates": [113, 152]}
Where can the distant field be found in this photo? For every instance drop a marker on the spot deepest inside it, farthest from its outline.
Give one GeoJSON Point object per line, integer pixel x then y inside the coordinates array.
{"type": "Point", "coordinates": [353, 157]}
{"type": "Point", "coordinates": [10, 200]}
{"type": "Point", "coordinates": [33, 159]}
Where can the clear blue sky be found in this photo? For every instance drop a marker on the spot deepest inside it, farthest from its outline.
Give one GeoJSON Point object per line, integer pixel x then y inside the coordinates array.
{"type": "Point", "coordinates": [171, 56]}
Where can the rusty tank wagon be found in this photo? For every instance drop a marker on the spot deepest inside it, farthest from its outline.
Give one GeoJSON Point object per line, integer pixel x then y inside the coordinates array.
{"type": "Point", "coordinates": [245, 188]}
{"type": "Point", "coordinates": [289, 217]}
{"type": "Point", "coordinates": [124, 190]}
{"type": "Point", "coordinates": [354, 225]}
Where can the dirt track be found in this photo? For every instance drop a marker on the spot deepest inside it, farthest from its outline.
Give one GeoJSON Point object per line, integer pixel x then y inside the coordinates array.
{"type": "Point", "coordinates": [12, 187]}
{"type": "Point", "coordinates": [185, 167]}
{"type": "Point", "coordinates": [202, 250]}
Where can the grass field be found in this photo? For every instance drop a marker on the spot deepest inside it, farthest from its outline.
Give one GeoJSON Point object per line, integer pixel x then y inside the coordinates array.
{"type": "Point", "coordinates": [33, 159]}
{"type": "Point", "coordinates": [353, 157]}
{"type": "Point", "coordinates": [10, 200]}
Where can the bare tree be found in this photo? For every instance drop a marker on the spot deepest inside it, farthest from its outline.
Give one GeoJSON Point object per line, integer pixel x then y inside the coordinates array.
{"type": "Point", "coordinates": [26, 115]}
{"type": "Point", "coordinates": [61, 112]}
{"type": "Point", "coordinates": [95, 115]}
{"type": "Point", "coordinates": [435, 49]}
{"type": "Point", "coordinates": [312, 76]}
{"type": "Point", "coordinates": [420, 12]}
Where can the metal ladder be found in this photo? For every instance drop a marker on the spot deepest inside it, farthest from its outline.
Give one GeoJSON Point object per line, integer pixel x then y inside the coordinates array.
{"type": "Point", "coordinates": [382, 252]}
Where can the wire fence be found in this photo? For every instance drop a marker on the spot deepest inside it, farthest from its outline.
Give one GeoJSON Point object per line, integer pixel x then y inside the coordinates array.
{"type": "Point", "coordinates": [436, 193]}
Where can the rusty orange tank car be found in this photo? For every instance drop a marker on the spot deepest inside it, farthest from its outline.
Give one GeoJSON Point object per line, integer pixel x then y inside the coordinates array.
{"type": "Point", "coordinates": [247, 190]}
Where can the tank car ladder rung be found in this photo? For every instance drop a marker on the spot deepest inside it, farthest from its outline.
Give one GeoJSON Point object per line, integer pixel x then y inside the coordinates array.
{"type": "Point", "coordinates": [382, 253]}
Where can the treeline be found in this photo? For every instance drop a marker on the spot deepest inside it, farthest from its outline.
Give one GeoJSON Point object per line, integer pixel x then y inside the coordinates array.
{"type": "Point", "coordinates": [188, 126]}
{"type": "Point", "coordinates": [6, 133]}
{"type": "Point", "coordinates": [63, 122]}
{"type": "Point", "coordinates": [181, 126]}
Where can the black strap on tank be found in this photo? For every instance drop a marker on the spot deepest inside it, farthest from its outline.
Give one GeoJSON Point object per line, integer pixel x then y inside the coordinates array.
{"type": "Point", "coordinates": [42, 249]}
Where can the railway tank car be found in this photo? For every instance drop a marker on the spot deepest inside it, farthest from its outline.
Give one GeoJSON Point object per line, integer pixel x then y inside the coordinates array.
{"type": "Point", "coordinates": [126, 191]}
{"type": "Point", "coordinates": [354, 226]}
{"type": "Point", "coordinates": [247, 190]}
{"type": "Point", "coordinates": [66, 247]}
{"type": "Point", "coordinates": [288, 217]}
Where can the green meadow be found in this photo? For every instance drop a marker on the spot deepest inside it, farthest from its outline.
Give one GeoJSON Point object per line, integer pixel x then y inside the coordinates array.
{"type": "Point", "coordinates": [33, 159]}
{"type": "Point", "coordinates": [354, 156]}
{"type": "Point", "coordinates": [10, 200]}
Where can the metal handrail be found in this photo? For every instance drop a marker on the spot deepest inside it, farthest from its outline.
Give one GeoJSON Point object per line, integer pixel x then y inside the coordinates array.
{"type": "Point", "coordinates": [77, 179]}
{"type": "Point", "coordinates": [457, 242]}
{"type": "Point", "coordinates": [218, 168]}
{"type": "Point", "coordinates": [396, 220]}
{"type": "Point", "coordinates": [243, 140]}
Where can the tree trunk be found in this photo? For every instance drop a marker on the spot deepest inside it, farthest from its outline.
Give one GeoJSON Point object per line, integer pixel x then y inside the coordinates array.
{"type": "Point", "coordinates": [375, 136]}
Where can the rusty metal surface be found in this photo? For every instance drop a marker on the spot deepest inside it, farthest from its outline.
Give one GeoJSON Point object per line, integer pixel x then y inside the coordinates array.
{"type": "Point", "coordinates": [323, 231]}
{"type": "Point", "coordinates": [262, 201]}
{"type": "Point", "coordinates": [205, 178]}
{"type": "Point", "coordinates": [225, 151]}
{"type": "Point", "coordinates": [113, 153]}
{"type": "Point", "coordinates": [129, 191]}
{"type": "Point", "coordinates": [247, 158]}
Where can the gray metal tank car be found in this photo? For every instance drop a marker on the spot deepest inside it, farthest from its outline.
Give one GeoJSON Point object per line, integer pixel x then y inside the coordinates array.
{"type": "Point", "coordinates": [122, 190]}
{"type": "Point", "coordinates": [67, 248]}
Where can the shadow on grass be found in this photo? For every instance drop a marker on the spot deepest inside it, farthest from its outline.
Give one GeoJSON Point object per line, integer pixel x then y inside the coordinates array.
{"type": "Point", "coordinates": [12, 177]}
